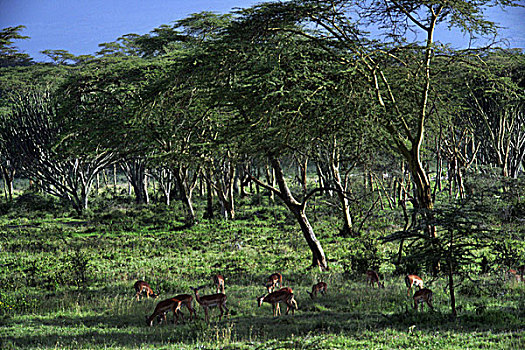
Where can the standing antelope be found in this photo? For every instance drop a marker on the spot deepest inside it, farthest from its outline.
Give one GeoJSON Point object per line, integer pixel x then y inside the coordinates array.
{"type": "Point", "coordinates": [275, 298]}
{"type": "Point", "coordinates": [186, 300]}
{"type": "Point", "coordinates": [319, 287]}
{"type": "Point", "coordinates": [372, 277]}
{"type": "Point", "coordinates": [219, 281]}
{"type": "Point", "coordinates": [212, 300]}
{"type": "Point", "coordinates": [272, 281]}
{"type": "Point", "coordinates": [422, 296]}
{"type": "Point", "coordinates": [163, 308]}
{"type": "Point", "coordinates": [412, 280]}
{"type": "Point", "coordinates": [141, 286]}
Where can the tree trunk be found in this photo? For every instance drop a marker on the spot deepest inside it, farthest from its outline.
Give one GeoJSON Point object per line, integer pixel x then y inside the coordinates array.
{"type": "Point", "coordinates": [298, 209]}
{"type": "Point", "coordinates": [451, 277]}
{"type": "Point", "coordinates": [225, 191]}
{"type": "Point", "coordinates": [343, 200]}
{"type": "Point", "coordinates": [135, 171]}
{"type": "Point", "coordinates": [186, 190]}
{"type": "Point", "coordinates": [8, 174]}
{"type": "Point", "coordinates": [318, 256]}
{"type": "Point", "coordinates": [115, 178]}
{"type": "Point", "coordinates": [209, 197]}
{"type": "Point", "coordinates": [270, 179]}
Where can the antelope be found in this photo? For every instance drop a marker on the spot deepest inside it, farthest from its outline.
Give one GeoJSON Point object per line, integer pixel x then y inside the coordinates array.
{"type": "Point", "coordinates": [163, 308]}
{"type": "Point", "coordinates": [515, 274]}
{"type": "Point", "coordinates": [272, 281]}
{"type": "Point", "coordinates": [212, 300]}
{"type": "Point", "coordinates": [186, 300]}
{"type": "Point", "coordinates": [219, 281]}
{"type": "Point", "coordinates": [521, 272]}
{"type": "Point", "coordinates": [372, 277]}
{"type": "Point", "coordinates": [319, 287]}
{"type": "Point", "coordinates": [422, 296]}
{"type": "Point", "coordinates": [412, 280]}
{"type": "Point", "coordinates": [141, 286]}
{"type": "Point", "coordinates": [289, 290]}
{"type": "Point", "coordinates": [275, 298]}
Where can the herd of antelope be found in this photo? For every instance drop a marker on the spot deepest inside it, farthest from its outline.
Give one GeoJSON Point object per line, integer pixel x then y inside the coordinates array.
{"type": "Point", "coordinates": [273, 296]}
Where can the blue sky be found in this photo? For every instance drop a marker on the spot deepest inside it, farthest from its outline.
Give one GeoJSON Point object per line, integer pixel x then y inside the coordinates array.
{"type": "Point", "coordinates": [78, 26]}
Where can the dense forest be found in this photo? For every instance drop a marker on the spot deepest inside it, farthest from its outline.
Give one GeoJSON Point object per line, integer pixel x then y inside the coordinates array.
{"type": "Point", "coordinates": [325, 140]}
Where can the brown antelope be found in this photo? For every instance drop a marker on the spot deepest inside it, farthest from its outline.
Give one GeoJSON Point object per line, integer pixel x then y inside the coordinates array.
{"type": "Point", "coordinates": [141, 286]}
{"type": "Point", "coordinates": [163, 308]}
{"type": "Point", "coordinates": [208, 301]}
{"type": "Point", "coordinates": [289, 290]}
{"type": "Point", "coordinates": [413, 280]}
{"type": "Point", "coordinates": [515, 275]}
{"type": "Point", "coordinates": [521, 272]}
{"type": "Point", "coordinates": [272, 281]}
{"type": "Point", "coordinates": [319, 287]}
{"type": "Point", "coordinates": [219, 281]}
{"type": "Point", "coordinates": [423, 296]}
{"type": "Point", "coordinates": [372, 277]}
{"type": "Point", "coordinates": [275, 298]}
{"type": "Point", "coordinates": [186, 300]}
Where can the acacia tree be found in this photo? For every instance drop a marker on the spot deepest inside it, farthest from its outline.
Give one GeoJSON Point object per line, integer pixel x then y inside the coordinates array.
{"type": "Point", "coordinates": [496, 109]}
{"type": "Point", "coordinates": [10, 55]}
{"type": "Point", "coordinates": [177, 109]}
{"type": "Point", "coordinates": [98, 102]}
{"type": "Point", "coordinates": [34, 136]}
{"type": "Point", "coordinates": [338, 27]}
{"type": "Point", "coordinates": [274, 86]}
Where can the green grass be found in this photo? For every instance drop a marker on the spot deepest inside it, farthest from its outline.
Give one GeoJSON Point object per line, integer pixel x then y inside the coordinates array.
{"type": "Point", "coordinates": [68, 284]}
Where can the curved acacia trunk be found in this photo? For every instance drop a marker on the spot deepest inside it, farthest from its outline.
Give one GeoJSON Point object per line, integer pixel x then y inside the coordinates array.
{"type": "Point", "coordinates": [423, 200]}
{"type": "Point", "coordinates": [421, 182]}
{"type": "Point", "coordinates": [298, 209]}
{"type": "Point", "coordinates": [318, 256]}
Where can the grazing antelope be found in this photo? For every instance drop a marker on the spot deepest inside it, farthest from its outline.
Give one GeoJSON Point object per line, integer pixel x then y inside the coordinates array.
{"type": "Point", "coordinates": [412, 280]}
{"type": "Point", "coordinates": [219, 281]}
{"type": "Point", "coordinates": [186, 300]}
{"type": "Point", "coordinates": [272, 281]}
{"type": "Point", "coordinates": [372, 277]}
{"type": "Point", "coordinates": [289, 290]}
{"type": "Point", "coordinates": [514, 274]}
{"type": "Point", "coordinates": [275, 298]}
{"type": "Point", "coordinates": [319, 287]}
{"type": "Point", "coordinates": [163, 308]}
{"type": "Point", "coordinates": [521, 272]}
{"type": "Point", "coordinates": [212, 300]}
{"type": "Point", "coordinates": [141, 286]}
{"type": "Point", "coordinates": [423, 296]}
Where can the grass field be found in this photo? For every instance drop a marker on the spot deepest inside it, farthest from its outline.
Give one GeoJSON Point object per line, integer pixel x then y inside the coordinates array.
{"type": "Point", "coordinates": [68, 284]}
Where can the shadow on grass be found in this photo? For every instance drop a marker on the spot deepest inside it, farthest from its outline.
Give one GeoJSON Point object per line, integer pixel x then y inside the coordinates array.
{"type": "Point", "coordinates": [131, 331]}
